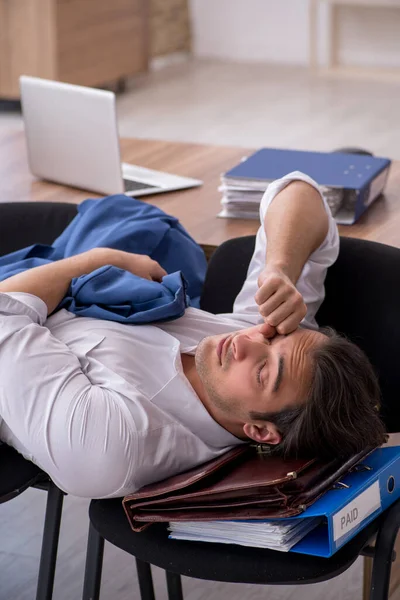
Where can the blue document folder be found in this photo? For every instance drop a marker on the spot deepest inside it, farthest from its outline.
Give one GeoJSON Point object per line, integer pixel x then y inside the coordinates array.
{"type": "Point", "coordinates": [364, 175]}
{"type": "Point", "coordinates": [346, 510]}
{"type": "Point", "coordinates": [363, 494]}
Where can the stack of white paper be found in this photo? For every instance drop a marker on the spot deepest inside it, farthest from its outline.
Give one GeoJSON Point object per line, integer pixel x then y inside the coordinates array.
{"type": "Point", "coordinates": [241, 198]}
{"type": "Point", "coordinates": [279, 535]}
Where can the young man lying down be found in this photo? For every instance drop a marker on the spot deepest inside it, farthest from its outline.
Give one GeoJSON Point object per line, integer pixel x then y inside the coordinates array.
{"type": "Point", "coordinates": [105, 408]}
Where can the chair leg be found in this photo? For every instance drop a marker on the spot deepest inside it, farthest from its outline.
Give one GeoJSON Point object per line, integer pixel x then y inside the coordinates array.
{"type": "Point", "coordinates": [51, 534]}
{"type": "Point", "coordinates": [145, 580]}
{"type": "Point", "coordinates": [384, 555]}
{"type": "Point", "coordinates": [367, 576]}
{"type": "Point", "coordinates": [174, 586]}
{"type": "Point", "coordinates": [94, 565]}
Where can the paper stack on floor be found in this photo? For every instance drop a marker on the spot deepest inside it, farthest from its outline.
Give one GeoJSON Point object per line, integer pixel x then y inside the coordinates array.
{"type": "Point", "coordinates": [349, 182]}
{"type": "Point", "coordinates": [279, 535]}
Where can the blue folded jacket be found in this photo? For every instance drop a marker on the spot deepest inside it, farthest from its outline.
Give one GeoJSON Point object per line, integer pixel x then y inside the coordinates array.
{"type": "Point", "coordinates": [110, 293]}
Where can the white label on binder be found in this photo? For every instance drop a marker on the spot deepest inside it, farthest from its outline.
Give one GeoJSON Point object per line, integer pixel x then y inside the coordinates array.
{"type": "Point", "coordinates": [356, 511]}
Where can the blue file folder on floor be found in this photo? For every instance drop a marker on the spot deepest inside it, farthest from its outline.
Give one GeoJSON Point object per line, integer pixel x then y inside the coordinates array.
{"type": "Point", "coordinates": [347, 510]}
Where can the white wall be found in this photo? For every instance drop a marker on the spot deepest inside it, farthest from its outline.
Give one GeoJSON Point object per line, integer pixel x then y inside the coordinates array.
{"type": "Point", "coordinates": [370, 35]}
{"type": "Point", "coordinates": [255, 30]}
{"type": "Point", "coordinates": [277, 31]}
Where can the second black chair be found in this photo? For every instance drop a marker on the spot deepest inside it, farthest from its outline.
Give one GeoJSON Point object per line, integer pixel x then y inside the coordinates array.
{"type": "Point", "coordinates": [362, 300]}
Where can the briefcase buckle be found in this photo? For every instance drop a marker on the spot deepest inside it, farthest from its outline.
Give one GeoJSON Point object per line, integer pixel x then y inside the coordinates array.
{"type": "Point", "coordinates": [262, 449]}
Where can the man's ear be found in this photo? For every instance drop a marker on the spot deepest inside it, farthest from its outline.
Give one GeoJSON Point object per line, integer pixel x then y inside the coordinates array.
{"type": "Point", "coordinates": [262, 432]}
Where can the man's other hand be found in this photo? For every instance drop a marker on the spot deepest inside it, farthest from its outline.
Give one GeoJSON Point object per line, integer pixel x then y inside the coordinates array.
{"type": "Point", "coordinates": [138, 264]}
{"type": "Point", "coordinates": [280, 303]}
{"type": "Point", "coordinates": [144, 266]}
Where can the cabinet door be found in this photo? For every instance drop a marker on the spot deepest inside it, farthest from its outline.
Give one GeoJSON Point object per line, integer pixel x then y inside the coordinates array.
{"type": "Point", "coordinates": [26, 42]}
{"type": "Point", "coordinates": [100, 41]}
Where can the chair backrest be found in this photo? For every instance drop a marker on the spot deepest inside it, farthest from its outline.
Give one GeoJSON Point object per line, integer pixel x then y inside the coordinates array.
{"type": "Point", "coordinates": [25, 223]}
{"type": "Point", "coordinates": [226, 274]}
{"type": "Point", "coordinates": [362, 301]}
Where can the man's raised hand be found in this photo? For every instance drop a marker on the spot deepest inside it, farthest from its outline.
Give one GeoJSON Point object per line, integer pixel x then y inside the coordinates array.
{"type": "Point", "coordinates": [280, 303]}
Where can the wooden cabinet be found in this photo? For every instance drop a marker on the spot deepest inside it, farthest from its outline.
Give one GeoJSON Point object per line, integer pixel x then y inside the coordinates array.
{"type": "Point", "coordinates": [87, 42]}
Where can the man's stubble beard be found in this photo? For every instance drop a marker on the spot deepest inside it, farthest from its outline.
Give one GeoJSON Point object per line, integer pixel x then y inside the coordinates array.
{"type": "Point", "coordinates": [206, 374]}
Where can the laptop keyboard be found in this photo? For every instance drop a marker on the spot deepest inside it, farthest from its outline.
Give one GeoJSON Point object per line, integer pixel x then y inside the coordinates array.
{"type": "Point", "coordinates": [133, 186]}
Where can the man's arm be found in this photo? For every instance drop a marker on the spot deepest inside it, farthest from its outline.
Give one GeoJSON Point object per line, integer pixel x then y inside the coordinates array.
{"type": "Point", "coordinates": [296, 224]}
{"type": "Point", "coordinates": [50, 282]}
{"type": "Point", "coordinates": [48, 402]}
{"type": "Point", "coordinates": [70, 425]}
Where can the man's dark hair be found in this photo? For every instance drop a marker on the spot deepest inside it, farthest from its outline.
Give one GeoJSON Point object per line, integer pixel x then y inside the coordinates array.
{"type": "Point", "coordinates": [340, 414]}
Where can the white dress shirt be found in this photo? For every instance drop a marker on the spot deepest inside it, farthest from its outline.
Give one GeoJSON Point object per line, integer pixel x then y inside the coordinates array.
{"type": "Point", "coordinates": [105, 408]}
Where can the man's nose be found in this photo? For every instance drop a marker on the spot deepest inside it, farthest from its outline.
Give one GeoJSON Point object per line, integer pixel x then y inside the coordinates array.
{"type": "Point", "coordinates": [244, 344]}
{"type": "Point", "coordinates": [240, 345]}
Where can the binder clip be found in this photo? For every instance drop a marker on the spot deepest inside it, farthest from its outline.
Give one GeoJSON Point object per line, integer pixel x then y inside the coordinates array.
{"type": "Point", "coordinates": [360, 468]}
{"type": "Point", "coordinates": [339, 485]}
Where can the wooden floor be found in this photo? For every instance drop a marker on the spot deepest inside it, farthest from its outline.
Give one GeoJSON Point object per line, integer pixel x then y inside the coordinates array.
{"type": "Point", "coordinates": [257, 105]}
{"type": "Point", "coordinates": [223, 104]}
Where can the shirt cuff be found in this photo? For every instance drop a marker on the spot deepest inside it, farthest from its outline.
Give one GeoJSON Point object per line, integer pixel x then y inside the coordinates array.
{"type": "Point", "coordinates": [20, 303]}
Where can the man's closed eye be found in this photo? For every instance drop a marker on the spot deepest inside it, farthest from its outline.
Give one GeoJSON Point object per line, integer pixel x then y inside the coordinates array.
{"type": "Point", "coordinates": [259, 381]}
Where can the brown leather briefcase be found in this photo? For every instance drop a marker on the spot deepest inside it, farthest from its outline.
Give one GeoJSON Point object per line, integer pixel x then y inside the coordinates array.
{"type": "Point", "coordinates": [240, 484]}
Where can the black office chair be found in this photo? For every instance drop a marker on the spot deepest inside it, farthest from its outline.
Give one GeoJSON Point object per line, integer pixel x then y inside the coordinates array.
{"type": "Point", "coordinates": [21, 225]}
{"type": "Point", "coordinates": [362, 301]}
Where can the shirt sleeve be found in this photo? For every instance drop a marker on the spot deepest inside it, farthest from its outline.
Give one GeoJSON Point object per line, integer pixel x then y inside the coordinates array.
{"type": "Point", "coordinates": [20, 304]}
{"type": "Point", "coordinates": [311, 281]}
{"type": "Point", "coordinates": [76, 431]}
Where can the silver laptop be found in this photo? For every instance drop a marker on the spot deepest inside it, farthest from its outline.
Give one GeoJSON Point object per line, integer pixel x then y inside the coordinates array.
{"type": "Point", "coordinates": [72, 138]}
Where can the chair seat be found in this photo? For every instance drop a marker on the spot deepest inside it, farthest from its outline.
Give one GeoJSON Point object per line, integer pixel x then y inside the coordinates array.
{"type": "Point", "coordinates": [16, 473]}
{"type": "Point", "coordinates": [217, 562]}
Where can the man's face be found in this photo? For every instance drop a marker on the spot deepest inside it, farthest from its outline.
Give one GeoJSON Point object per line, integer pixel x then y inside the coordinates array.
{"type": "Point", "coordinates": [250, 371]}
